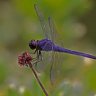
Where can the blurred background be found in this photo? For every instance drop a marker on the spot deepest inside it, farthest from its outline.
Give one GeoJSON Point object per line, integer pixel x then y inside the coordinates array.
{"type": "Point", "coordinates": [75, 20]}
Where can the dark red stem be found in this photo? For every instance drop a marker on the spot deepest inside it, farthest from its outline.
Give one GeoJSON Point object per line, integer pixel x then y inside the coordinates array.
{"type": "Point", "coordinates": [41, 85]}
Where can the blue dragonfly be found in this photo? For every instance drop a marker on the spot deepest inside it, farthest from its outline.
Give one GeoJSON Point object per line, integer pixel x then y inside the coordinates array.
{"type": "Point", "coordinates": [48, 43]}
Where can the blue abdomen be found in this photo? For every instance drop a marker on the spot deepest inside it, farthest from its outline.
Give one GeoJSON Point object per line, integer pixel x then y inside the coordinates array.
{"type": "Point", "coordinates": [60, 49]}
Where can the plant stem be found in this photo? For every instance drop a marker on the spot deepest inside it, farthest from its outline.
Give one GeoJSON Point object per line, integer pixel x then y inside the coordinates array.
{"type": "Point", "coordinates": [38, 80]}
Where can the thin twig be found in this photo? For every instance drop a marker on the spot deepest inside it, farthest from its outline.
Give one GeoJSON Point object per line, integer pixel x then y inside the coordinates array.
{"type": "Point", "coordinates": [35, 74]}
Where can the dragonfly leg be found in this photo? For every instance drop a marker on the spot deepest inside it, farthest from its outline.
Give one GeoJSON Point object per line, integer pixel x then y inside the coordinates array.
{"type": "Point", "coordinates": [37, 59]}
{"type": "Point", "coordinates": [34, 59]}
{"type": "Point", "coordinates": [35, 51]}
{"type": "Point", "coordinates": [37, 54]}
{"type": "Point", "coordinates": [35, 65]}
{"type": "Point", "coordinates": [40, 55]}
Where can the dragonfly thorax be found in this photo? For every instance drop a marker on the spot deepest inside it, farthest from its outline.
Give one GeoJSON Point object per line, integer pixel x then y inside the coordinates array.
{"type": "Point", "coordinates": [33, 44]}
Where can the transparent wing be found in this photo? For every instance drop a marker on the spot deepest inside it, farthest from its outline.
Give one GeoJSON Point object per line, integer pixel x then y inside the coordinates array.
{"type": "Point", "coordinates": [55, 58]}
{"type": "Point", "coordinates": [44, 63]}
{"type": "Point", "coordinates": [44, 24]}
{"type": "Point", "coordinates": [49, 58]}
{"type": "Point", "coordinates": [52, 29]}
{"type": "Point", "coordinates": [46, 30]}
{"type": "Point", "coordinates": [52, 57]}
{"type": "Point", "coordinates": [54, 34]}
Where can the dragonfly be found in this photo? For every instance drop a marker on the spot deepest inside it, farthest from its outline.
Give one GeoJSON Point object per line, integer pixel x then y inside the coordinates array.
{"type": "Point", "coordinates": [48, 44]}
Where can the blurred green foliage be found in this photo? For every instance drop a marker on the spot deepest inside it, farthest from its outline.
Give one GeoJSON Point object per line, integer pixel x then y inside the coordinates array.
{"type": "Point", "coordinates": [75, 22]}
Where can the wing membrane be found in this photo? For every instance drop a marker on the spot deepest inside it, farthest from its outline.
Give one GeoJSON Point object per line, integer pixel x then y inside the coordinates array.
{"type": "Point", "coordinates": [50, 33]}
{"type": "Point", "coordinates": [56, 60]}
{"type": "Point", "coordinates": [43, 22]}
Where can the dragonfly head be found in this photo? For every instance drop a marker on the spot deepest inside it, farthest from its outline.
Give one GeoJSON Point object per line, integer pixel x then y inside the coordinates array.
{"type": "Point", "coordinates": [33, 44]}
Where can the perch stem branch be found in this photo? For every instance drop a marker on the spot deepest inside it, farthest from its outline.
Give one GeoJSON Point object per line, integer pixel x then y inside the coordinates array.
{"type": "Point", "coordinates": [38, 80]}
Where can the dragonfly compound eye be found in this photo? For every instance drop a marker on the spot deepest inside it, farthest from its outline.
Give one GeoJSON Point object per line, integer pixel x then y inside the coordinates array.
{"type": "Point", "coordinates": [32, 44]}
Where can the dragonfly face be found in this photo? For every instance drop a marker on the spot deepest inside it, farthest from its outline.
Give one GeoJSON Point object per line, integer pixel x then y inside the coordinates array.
{"type": "Point", "coordinates": [33, 44]}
